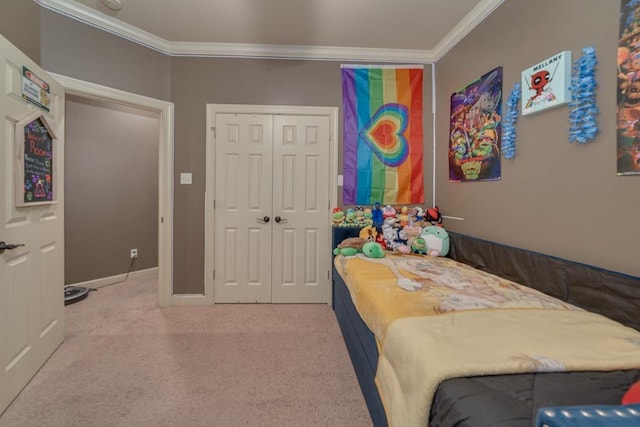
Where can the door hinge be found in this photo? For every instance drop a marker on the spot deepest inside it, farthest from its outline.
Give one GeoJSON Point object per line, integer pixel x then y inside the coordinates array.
{"type": "Point", "coordinates": [213, 128]}
{"type": "Point", "coordinates": [328, 274]}
{"type": "Point", "coordinates": [214, 204]}
{"type": "Point", "coordinates": [162, 220]}
{"type": "Point", "coordinates": [214, 274]}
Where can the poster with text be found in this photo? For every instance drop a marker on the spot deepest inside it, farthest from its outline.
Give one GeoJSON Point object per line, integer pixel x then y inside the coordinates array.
{"type": "Point", "coordinates": [546, 84]}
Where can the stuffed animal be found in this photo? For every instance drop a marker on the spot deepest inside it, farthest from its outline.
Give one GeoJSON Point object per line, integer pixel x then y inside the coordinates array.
{"type": "Point", "coordinates": [403, 216]}
{"type": "Point", "coordinates": [390, 234]}
{"type": "Point", "coordinates": [436, 240]}
{"type": "Point", "coordinates": [403, 249]}
{"type": "Point", "coordinates": [388, 212]}
{"type": "Point", "coordinates": [367, 216]}
{"type": "Point", "coordinates": [376, 215]}
{"type": "Point", "coordinates": [350, 218]}
{"type": "Point", "coordinates": [433, 216]}
{"type": "Point", "coordinates": [338, 217]}
{"type": "Point", "coordinates": [419, 246]}
{"type": "Point", "coordinates": [350, 246]}
{"type": "Point", "coordinates": [373, 250]}
{"type": "Point", "coordinates": [412, 232]}
{"type": "Point", "coordinates": [416, 214]}
{"type": "Point", "coordinates": [368, 233]}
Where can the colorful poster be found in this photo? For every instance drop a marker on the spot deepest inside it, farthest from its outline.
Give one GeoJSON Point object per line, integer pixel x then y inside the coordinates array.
{"type": "Point", "coordinates": [475, 131]}
{"type": "Point", "coordinates": [628, 145]}
{"type": "Point", "coordinates": [382, 159]}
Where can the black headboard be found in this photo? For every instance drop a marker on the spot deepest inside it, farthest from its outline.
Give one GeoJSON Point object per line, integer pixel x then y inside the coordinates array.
{"type": "Point", "coordinates": [611, 294]}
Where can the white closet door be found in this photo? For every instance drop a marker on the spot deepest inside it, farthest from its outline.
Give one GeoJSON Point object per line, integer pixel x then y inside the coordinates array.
{"type": "Point", "coordinates": [243, 182]}
{"type": "Point", "coordinates": [300, 196]}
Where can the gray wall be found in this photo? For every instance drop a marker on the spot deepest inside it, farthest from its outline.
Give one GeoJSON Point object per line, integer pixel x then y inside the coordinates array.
{"type": "Point", "coordinates": [15, 16]}
{"type": "Point", "coordinates": [555, 197]}
{"type": "Point", "coordinates": [77, 50]}
{"type": "Point", "coordinates": [196, 82]}
{"type": "Point", "coordinates": [111, 193]}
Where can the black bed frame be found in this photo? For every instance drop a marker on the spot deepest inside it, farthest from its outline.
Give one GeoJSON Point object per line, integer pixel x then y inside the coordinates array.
{"type": "Point", "coordinates": [612, 294]}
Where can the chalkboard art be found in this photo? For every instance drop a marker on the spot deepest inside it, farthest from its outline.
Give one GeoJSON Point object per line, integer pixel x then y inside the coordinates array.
{"type": "Point", "coordinates": [38, 163]}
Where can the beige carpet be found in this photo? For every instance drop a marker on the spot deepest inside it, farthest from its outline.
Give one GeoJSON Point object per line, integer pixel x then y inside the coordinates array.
{"type": "Point", "coordinates": [125, 362]}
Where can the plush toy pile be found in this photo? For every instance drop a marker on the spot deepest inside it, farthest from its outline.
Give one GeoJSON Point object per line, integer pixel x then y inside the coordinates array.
{"type": "Point", "coordinates": [405, 230]}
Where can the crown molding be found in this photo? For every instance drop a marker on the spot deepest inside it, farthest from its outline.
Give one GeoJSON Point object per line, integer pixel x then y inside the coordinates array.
{"type": "Point", "coordinates": [92, 17]}
{"type": "Point", "coordinates": [114, 26]}
{"type": "Point", "coordinates": [464, 27]}
{"type": "Point", "coordinates": [319, 53]}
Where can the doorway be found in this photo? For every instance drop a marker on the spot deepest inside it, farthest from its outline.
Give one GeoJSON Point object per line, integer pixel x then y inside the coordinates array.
{"type": "Point", "coordinates": [111, 193]}
{"type": "Point", "coordinates": [164, 110]}
{"type": "Point", "coordinates": [270, 187]}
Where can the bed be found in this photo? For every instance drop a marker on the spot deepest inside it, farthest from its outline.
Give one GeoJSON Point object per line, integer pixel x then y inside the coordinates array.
{"type": "Point", "coordinates": [487, 396]}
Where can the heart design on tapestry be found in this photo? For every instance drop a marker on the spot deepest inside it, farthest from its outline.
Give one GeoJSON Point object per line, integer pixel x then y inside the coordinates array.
{"type": "Point", "coordinates": [384, 134]}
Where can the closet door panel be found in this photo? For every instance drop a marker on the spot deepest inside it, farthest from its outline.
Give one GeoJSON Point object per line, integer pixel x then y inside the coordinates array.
{"type": "Point", "coordinates": [243, 188]}
{"type": "Point", "coordinates": [300, 202]}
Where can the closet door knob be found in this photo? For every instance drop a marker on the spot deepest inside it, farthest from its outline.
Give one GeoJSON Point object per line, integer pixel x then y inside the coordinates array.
{"type": "Point", "coordinates": [280, 220]}
{"type": "Point", "coordinates": [264, 220]}
{"type": "Point", "coordinates": [8, 246]}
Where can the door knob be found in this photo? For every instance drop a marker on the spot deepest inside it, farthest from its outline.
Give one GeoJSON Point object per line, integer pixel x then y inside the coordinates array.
{"type": "Point", "coordinates": [8, 246]}
{"type": "Point", "coordinates": [280, 220]}
{"type": "Point", "coordinates": [264, 220]}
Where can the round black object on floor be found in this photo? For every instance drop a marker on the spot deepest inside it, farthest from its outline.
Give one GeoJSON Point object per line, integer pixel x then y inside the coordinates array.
{"type": "Point", "coordinates": [74, 294]}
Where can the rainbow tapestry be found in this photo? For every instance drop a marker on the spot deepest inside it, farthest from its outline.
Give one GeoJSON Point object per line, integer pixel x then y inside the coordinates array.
{"type": "Point", "coordinates": [382, 135]}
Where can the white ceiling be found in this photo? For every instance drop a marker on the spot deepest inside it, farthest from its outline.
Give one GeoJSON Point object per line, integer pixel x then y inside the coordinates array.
{"type": "Point", "coordinates": [383, 30]}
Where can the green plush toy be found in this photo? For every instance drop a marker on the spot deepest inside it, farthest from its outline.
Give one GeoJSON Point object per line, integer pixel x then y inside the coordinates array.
{"type": "Point", "coordinates": [419, 246]}
{"type": "Point", "coordinates": [350, 246]}
{"type": "Point", "coordinates": [373, 250]}
{"type": "Point", "coordinates": [436, 240]}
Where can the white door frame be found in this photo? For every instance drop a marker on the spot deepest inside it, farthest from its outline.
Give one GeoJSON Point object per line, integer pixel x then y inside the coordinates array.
{"type": "Point", "coordinates": [209, 227]}
{"type": "Point", "coordinates": [165, 110]}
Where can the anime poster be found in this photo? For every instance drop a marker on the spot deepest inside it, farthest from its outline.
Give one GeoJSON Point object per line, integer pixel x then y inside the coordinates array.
{"type": "Point", "coordinates": [547, 83]}
{"type": "Point", "coordinates": [475, 131]}
{"type": "Point", "coordinates": [628, 145]}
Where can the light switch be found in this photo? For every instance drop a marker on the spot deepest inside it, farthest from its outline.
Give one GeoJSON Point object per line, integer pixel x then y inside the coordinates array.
{"type": "Point", "coordinates": [185, 178]}
{"type": "Point", "coordinates": [340, 180]}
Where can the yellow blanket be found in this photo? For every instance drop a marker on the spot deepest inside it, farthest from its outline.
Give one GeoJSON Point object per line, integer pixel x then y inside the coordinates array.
{"type": "Point", "coordinates": [464, 322]}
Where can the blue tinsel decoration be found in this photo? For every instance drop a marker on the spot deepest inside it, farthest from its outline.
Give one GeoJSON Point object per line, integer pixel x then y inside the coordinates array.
{"type": "Point", "coordinates": [509, 123]}
{"type": "Point", "coordinates": [582, 108]}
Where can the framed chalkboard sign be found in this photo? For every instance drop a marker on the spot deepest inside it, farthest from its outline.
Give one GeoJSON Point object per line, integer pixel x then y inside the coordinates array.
{"type": "Point", "coordinates": [35, 161]}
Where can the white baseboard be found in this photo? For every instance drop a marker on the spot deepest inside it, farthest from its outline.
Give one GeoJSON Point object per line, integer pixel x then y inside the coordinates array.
{"type": "Point", "coordinates": [189, 299]}
{"type": "Point", "coordinates": [106, 281]}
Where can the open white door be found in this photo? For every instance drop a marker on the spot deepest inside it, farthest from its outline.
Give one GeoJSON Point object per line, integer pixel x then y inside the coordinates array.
{"type": "Point", "coordinates": [31, 214]}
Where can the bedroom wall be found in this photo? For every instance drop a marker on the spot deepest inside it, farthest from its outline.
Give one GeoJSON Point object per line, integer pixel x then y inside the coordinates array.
{"type": "Point", "coordinates": [555, 197]}
{"type": "Point", "coordinates": [15, 16]}
{"type": "Point", "coordinates": [77, 50]}
{"type": "Point", "coordinates": [196, 82]}
{"type": "Point", "coordinates": [111, 194]}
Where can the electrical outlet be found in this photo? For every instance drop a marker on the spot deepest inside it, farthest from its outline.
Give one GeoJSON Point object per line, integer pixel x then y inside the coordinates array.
{"type": "Point", "coordinates": [134, 253]}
